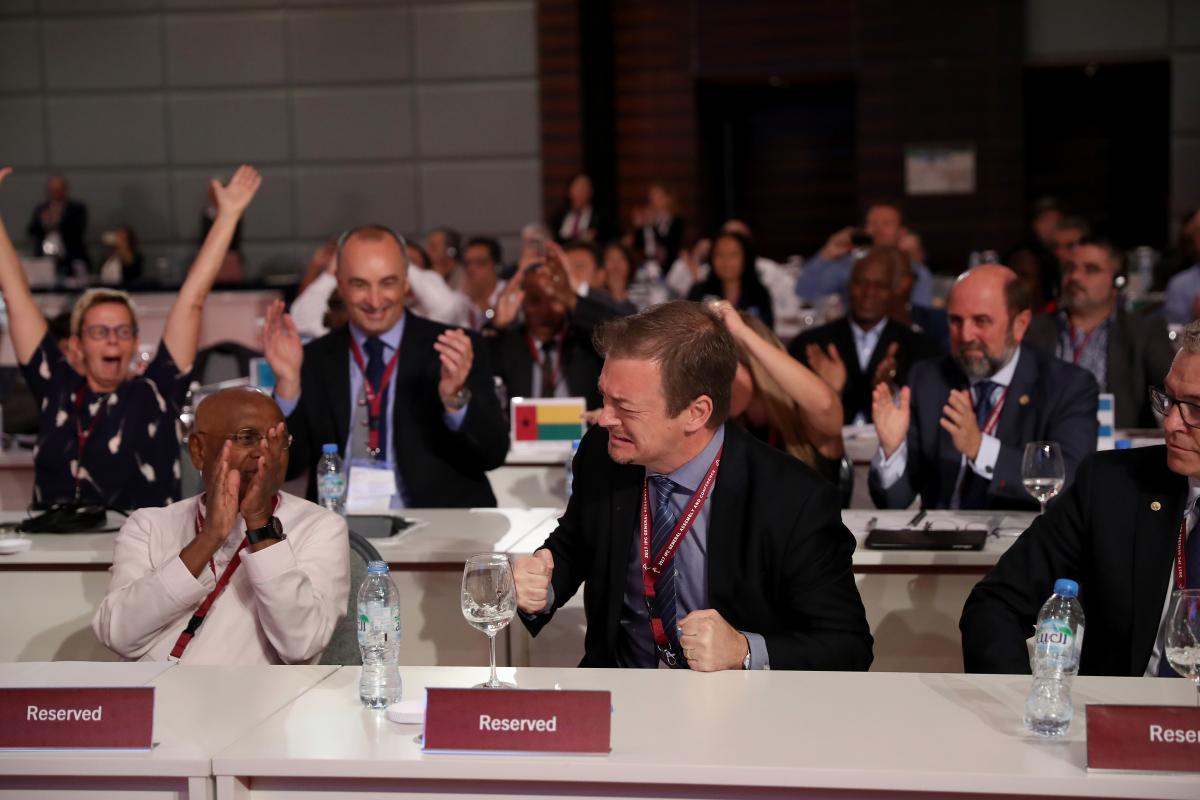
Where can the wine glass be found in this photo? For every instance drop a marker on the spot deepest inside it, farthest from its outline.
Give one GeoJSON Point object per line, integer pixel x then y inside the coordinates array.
{"type": "Point", "coordinates": [489, 601]}
{"type": "Point", "coordinates": [1042, 471]}
{"type": "Point", "coordinates": [1181, 638]}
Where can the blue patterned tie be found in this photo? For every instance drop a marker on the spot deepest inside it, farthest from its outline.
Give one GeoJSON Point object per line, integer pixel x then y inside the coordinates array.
{"type": "Point", "coordinates": [665, 590]}
{"type": "Point", "coordinates": [973, 489]}
{"type": "Point", "coordinates": [1191, 554]}
{"type": "Point", "coordinates": [374, 349]}
{"type": "Point", "coordinates": [983, 392]}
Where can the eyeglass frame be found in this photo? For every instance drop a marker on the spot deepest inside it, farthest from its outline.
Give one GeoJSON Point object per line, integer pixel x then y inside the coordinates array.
{"type": "Point", "coordinates": [108, 331]}
{"type": "Point", "coordinates": [1170, 403]}
{"type": "Point", "coordinates": [261, 436]}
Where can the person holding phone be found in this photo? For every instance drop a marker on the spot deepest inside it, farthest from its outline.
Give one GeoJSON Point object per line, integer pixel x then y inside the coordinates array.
{"type": "Point", "coordinates": [828, 272]}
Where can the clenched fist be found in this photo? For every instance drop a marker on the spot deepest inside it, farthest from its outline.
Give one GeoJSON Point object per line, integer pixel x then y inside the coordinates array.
{"type": "Point", "coordinates": [533, 581]}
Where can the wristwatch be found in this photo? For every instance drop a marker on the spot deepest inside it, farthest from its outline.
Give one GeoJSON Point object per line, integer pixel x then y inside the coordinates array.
{"type": "Point", "coordinates": [460, 399]}
{"type": "Point", "coordinates": [272, 530]}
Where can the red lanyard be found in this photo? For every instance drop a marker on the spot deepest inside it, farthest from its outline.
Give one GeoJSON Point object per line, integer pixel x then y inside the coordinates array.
{"type": "Point", "coordinates": [197, 619]}
{"type": "Point", "coordinates": [81, 435]}
{"type": "Point", "coordinates": [1077, 351]}
{"type": "Point", "coordinates": [374, 396]}
{"type": "Point", "coordinates": [652, 567]}
{"type": "Point", "coordinates": [550, 376]}
{"type": "Point", "coordinates": [1181, 556]}
{"type": "Point", "coordinates": [993, 419]}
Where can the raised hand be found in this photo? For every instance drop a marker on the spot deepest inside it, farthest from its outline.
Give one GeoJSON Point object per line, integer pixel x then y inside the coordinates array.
{"type": "Point", "coordinates": [838, 245]}
{"type": "Point", "coordinates": [454, 349]}
{"type": "Point", "coordinates": [4, 173]}
{"type": "Point", "coordinates": [221, 504]}
{"type": "Point", "coordinates": [510, 300]}
{"type": "Point", "coordinates": [886, 371]}
{"type": "Point", "coordinates": [532, 578]}
{"type": "Point", "coordinates": [710, 643]}
{"type": "Point", "coordinates": [233, 197]}
{"type": "Point", "coordinates": [958, 420]}
{"type": "Point", "coordinates": [827, 364]}
{"type": "Point", "coordinates": [729, 315]}
{"type": "Point", "coordinates": [256, 504]}
{"type": "Point", "coordinates": [283, 350]}
{"type": "Point", "coordinates": [891, 419]}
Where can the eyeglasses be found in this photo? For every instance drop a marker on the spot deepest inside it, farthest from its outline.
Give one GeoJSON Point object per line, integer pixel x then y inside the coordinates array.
{"type": "Point", "coordinates": [98, 333]}
{"type": "Point", "coordinates": [247, 437]}
{"type": "Point", "coordinates": [1162, 402]}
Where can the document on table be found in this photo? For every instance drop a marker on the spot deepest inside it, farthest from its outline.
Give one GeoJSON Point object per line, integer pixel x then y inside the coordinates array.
{"type": "Point", "coordinates": [370, 490]}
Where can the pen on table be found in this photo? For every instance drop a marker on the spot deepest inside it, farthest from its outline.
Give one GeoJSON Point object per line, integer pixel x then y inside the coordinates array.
{"type": "Point", "coordinates": [920, 515]}
{"type": "Point", "coordinates": [871, 524]}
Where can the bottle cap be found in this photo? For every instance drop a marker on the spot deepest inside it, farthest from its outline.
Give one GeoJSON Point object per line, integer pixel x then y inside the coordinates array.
{"type": "Point", "coordinates": [1123, 444]}
{"type": "Point", "coordinates": [329, 448]}
{"type": "Point", "coordinates": [1066, 587]}
{"type": "Point", "coordinates": [574, 444]}
{"type": "Point", "coordinates": [377, 568]}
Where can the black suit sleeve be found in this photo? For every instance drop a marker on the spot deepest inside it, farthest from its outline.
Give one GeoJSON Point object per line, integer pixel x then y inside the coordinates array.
{"type": "Point", "coordinates": [301, 453]}
{"type": "Point", "coordinates": [1001, 611]}
{"type": "Point", "coordinates": [831, 632]}
{"type": "Point", "coordinates": [484, 431]}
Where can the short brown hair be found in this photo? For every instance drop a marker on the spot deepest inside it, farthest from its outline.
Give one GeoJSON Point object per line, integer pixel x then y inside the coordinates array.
{"type": "Point", "coordinates": [691, 345]}
{"type": "Point", "coordinates": [95, 297]}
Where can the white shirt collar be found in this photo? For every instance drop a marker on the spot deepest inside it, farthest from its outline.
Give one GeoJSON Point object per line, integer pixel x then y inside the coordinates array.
{"type": "Point", "coordinates": [860, 333]}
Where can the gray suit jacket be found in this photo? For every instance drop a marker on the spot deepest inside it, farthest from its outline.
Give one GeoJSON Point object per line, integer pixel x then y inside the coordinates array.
{"type": "Point", "coordinates": [1139, 356]}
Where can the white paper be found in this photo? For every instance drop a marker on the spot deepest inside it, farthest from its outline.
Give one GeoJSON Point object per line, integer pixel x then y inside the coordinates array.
{"type": "Point", "coordinates": [370, 490]}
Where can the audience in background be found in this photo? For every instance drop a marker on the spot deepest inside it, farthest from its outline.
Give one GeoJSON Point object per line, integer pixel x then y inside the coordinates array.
{"type": "Point", "coordinates": [1034, 259]}
{"type": "Point", "coordinates": [481, 278]}
{"type": "Point", "coordinates": [866, 347]}
{"type": "Point", "coordinates": [1126, 353]}
{"type": "Point", "coordinates": [734, 278]}
{"type": "Point", "coordinates": [585, 272]}
{"type": "Point", "coordinates": [779, 400]}
{"type": "Point", "coordinates": [1186, 252]}
{"type": "Point", "coordinates": [436, 428]}
{"type": "Point", "coordinates": [1183, 289]}
{"type": "Point", "coordinates": [550, 352]}
{"type": "Point", "coordinates": [232, 266]}
{"type": "Point", "coordinates": [657, 228]}
{"type": "Point", "coordinates": [577, 220]}
{"type": "Point", "coordinates": [618, 271]}
{"type": "Point", "coordinates": [931, 323]}
{"type": "Point", "coordinates": [289, 558]}
{"type": "Point", "coordinates": [58, 227]}
{"type": "Point", "coordinates": [318, 264]}
{"type": "Point", "coordinates": [107, 436]}
{"type": "Point", "coordinates": [1069, 232]}
{"type": "Point", "coordinates": [828, 272]}
{"type": "Point", "coordinates": [444, 247]}
{"type": "Point", "coordinates": [690, 267]}
{"type": "Point", "coordinates": [124, 263]}
{"type": "Point", "coordinates": [956, 437]}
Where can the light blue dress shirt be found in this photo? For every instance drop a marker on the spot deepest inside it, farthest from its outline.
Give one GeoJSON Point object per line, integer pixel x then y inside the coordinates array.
{"type": "Point", "coordinates": [822, 276]}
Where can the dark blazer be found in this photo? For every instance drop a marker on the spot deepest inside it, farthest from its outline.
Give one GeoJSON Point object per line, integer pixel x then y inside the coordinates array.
{"type": "Point", "coordinates": [1048, 400]}
{"type": "Point", "coordinates": [71, 226]}
{"type": "Point", "coordinates": [440, 468]}
{"type": "Point", "coordinates": [778, 555]}
{"type": "Point", "coordinates": [1139, 356]}
{"type": "Point", "coordinates": [856, 394]}
{"type": "Point", "coordinates": [934, 325]}
{"type": "Point", "coordinates": [670, 241]}
{"type": "Point", "coordinates": [513, 362]}
{"type": "Point", "coordinates": [1114, 532]}
{"type": "Point", "coordinates": [597, 227]}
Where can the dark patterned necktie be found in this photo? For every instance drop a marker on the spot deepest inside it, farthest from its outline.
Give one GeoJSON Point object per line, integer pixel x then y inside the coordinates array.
{"type": "Point", "coordinates": [549, 376]}
{"type": "Point", "coordinates": [375, 366]}
{"type": "Point", "coordinates": [666, 591]}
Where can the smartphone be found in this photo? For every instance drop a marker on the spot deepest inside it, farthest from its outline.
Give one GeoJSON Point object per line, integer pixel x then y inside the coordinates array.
{"type": "Point", "coordinates": [861, 238]}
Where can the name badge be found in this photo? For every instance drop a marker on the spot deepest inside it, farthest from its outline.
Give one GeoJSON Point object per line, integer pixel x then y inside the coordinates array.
{"type": "Point", "coordinates": [1144, 738]}
{"type": "Point", "coordinates": [518, 721]}
{"type": "Point", "coordinates": [54, 719]}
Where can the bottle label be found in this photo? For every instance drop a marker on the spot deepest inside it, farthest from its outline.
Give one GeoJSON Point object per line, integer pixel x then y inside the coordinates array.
{"type": "Point", "coordinates": [1054, 639]}
{"type": "Point", "coordinates": [331, 484]}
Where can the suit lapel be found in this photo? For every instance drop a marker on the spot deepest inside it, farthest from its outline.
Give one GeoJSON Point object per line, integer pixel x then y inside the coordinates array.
{"type": "Point", "coordinates": [518, 355]}
{"type": "Point", "coordinates": [337, 383]}
{"type": "Point", "coordinates": [1010, 426]}
{"type": "Point", "coordinates": [843, 340]}
{"type": "Point", "coordinates": [415, 350]}
{"type": "Point", "coordinates": [725, 519]}
{"type": "Point", "coordinates": [625, 507]}
{"type": "Point", "coordinates": [1153, 553]}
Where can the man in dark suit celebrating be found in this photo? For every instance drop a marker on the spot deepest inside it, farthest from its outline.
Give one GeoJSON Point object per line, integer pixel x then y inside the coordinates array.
{"type": "Point", "coordinates": [1126, 353]}
{"type": "Point", "coordinates": [957, 437]}
{"type": "Point", "coordinates": [392, 390]}
{"type": "Point", "coordinates": [864, 348]}
{"type": "Point", "coordinates": [699, 546]}
{"type": "Point", "coordinates": [1126, 532]}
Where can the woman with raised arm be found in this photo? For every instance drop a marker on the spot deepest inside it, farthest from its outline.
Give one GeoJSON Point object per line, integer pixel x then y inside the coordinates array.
{"type": "Point", "coordinates": [780, 400]}
{"type": "Point", "coordinates": [107, 436]}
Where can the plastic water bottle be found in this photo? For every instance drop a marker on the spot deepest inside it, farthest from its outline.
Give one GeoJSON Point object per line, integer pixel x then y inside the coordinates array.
{"type": "Point", "coordinates": [1057, 645]}
{"type": "Point", "coordinates": [331, 480]}
{"type": "Point", "coordinates": [570, 466]}
{"type": "Point", "coordinates": [379, 637]}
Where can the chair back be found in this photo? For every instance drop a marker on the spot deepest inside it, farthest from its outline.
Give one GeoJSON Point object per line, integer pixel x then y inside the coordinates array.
{"type": "Point", "coordinates": [343, 646]}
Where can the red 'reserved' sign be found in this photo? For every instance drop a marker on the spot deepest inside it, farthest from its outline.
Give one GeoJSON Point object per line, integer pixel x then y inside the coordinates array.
{"type": "Point", "coordinates": [518, 721]}
{"type": "Point", "coordinates": [99, 718]}
{"type": "Point", "coordinates": [1145, 738]}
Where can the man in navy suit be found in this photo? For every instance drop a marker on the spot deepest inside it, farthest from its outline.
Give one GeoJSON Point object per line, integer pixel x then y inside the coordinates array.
{"type": "Point", "coordinates": [957, 436]}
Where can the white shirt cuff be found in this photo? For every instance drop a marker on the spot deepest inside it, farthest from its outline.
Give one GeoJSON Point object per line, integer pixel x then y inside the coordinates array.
{"type": "Point", "coordinates": [185, 588]}
{"type": "Point", "coordinates": [270, 562]}
{"type": "Point", "coordinates": [985, 460]}
{"type": "Point", "coordinates": [890, 470]}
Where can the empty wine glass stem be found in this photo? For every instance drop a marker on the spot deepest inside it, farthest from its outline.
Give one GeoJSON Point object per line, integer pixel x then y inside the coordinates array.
{"type": "Point", "coordinates": [493, 681]}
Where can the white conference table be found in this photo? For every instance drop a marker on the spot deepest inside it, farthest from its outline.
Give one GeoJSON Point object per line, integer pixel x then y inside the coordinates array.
{"type": "Point", "coordinates": [732, 734]}
{"type": "Point", "coordinates": [198, 711]}
{"type": "Point", "coordinates": [912, 599]}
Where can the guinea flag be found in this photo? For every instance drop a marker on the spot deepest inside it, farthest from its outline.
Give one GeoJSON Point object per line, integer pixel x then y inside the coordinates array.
{"type": "Point", "coordinates": [544, 422]}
